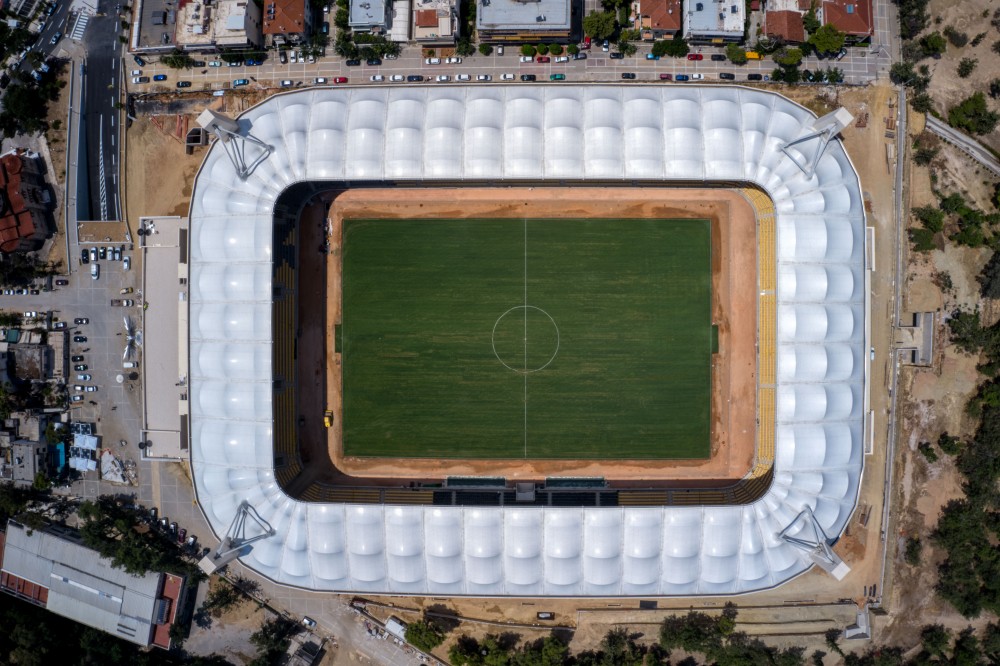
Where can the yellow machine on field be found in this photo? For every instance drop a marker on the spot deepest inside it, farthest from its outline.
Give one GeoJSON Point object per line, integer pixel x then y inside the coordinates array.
{"type": "Point", "coordinates": [328, 418]}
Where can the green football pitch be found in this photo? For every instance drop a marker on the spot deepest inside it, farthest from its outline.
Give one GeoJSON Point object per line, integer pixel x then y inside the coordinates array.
{"type": "Point", "coordinates": [514, 338]}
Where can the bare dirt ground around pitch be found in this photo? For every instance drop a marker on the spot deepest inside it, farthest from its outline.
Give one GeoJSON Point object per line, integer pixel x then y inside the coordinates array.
{"type": "Point", "coordinates": [734, 374]}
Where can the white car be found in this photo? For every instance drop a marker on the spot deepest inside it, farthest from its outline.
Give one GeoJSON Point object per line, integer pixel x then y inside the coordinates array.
{"type": "Point", "coordinates": [136, 72]}
{"type": "Point", "coordinates": [293, 56]}
{"type": "Point", "coordinates": [463, 77]}
{"type": "Point", "coordinates": [527, 59]}
{"type": "Point", "coordinates": [432, 61]}
{"type": "Point", "coordinates": [127, 263]}
{"type": "Point", "coordinates": [77, 398]}
{"type": "Point", "coordinates": [397, 78]}
{"type": "Point", "coordinates": [697, 77]}
{"type": "Point", "coordinates": [31, 314]}
{"type": "Point", "coordinates": [319, 80]}
{"type": "Point", "coordinates": [286, 83]}
{"type": "Point", "coordinates": [377, 78]}
{"type": "Point", "coordinates": [484, 77]}
{"type": "Point", "coordinates": [83, 378]}
{"type": "Point", "coordinates": [453, 60]}
{"type": "Point", "coordinates": [441, 78]}
{"type": "Point", "coordinates": [562, 59]}
{"type": "Point", "coordinates": [77, 387]}
{"type": "Point", "coordinates": [507, 77]}
{"type": "Point", "coordinates": [90, 389]}
{"type": "Point", "coordinates": [310, 58]}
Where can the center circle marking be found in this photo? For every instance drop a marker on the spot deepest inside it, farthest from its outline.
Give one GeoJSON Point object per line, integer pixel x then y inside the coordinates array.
{"type": "Point", "coordinates": [525, 309]}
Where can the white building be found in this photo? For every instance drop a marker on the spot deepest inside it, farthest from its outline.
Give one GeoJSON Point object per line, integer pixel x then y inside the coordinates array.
{"type": "Point", "coordinates": [714, 21]}
{"type": "Point", "coordinates": [490, 134]}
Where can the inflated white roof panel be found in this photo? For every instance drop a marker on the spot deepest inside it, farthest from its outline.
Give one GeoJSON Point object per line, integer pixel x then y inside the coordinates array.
{"type": "Point", "coordinates": [496, 133]}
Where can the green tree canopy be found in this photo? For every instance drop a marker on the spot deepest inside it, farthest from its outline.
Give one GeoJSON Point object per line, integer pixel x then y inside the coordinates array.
{"type": "Point", "coordinates": [789, 57]}
{"type": "Point", "coordinates": [599, 25]}
{"type": "Point", "coordinates": [973, 115]}
{"type": "Point", "coordinates": [424, 635]}
{"type": "Point", "coordinates": [827, 39]}
{"type": "Point", "coordinates": [675, 48]}
{"type": "Point", "coordinates": [485, 49]}
{"type": "Point", "coordinates": [528, 50]}
{"type": "Point", "coordinates": [178, 59]}
{"type": "Point", "coordinates": [934, 43]}
{"type": "Point", "coordinates": [736, 54]}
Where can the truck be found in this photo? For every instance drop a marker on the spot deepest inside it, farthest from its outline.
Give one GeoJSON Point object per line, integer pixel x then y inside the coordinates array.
{"type": "Point", "coordinates": [328, 418]}
{"type": "Point", "coordinates": [753, 55]}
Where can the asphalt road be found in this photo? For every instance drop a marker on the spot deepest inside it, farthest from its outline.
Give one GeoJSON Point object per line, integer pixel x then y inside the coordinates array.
{"type": "Point", "coordinates": [101, 90]}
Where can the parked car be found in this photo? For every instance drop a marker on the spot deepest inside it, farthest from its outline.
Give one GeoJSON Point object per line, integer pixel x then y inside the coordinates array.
{"type": "Point", "coordinates": [77, 387]}
{"type": "Point", "coordinates": [454, 60]}
{"type": "Point", "coordinates": [95, 271]}
{"type": "Point", "coordinates": [90, 389]}
{"type": "Point", "coordinates": [727, 76]}
{"type": "Point", "coordinates": [310, 58]}
{"type": "Point", "coordinates": [605, 46]}
{"type": "Point", "coordinates": [353, 62]}
{"type": "Point", "coordinates": [413, 78]}
{"type": "Point", "coordinates": [718, 57]}
{"type": "Point", "coordinates": [695, 56]}
{"type": "Point", "coordinates": [286, 83]}
{"type": "Point", "coordinates": [103, 252]}
{"type": "Point", "coordinates": [83, 377]}
{"type": "Point", "coordinates": [463, 77]}
{"type": "Point", "coordinates": [432, 61]}
{"type": "Point", "coordinates": [62, 283]}
{"type": "Point", "coordinates": [340, 79]}
{"type": "Point", "coordinates": [79, 338]}
{"type": "Point", "coordinates": [76, 398]}
{"type": "Point", "coordinates": [841, 54]}
{"type": "Point", "coordinates": [507, 77]}
{"type": "Point", "coordinates": [442, 78]}
{"type": "Point", "coordinates": [76, 359]}
{"type": "Point", "coordinates": [84, 257]}
{"type": "Point", "coordinates": [562, 59]}
{"type": "Point", "coordinates": [136, 72]}
{"type": "Point", "coordinates": [484, 77]}
{"type": "Point", "coordinates": [528, 77]}
{"type": "Point", "coordinates": [652, 56]}
{"type": "Point", "coordinates": [580, 56]}
{"type": "Point", "coordinates": [754, 77]}
{"type": "Point", "coordinates": [125, 290]}
{"type": "Point", "coordinates": [93, 254]}
{"type": "Point", "coordinates": [373, 62]}
{"type": "Point", "coordinates": [79, 321]}
{"type": "Point", "coordinates": [319, 80]}
{"type": "Point", "coordinates": [59, 325]}
{"type": "Point", "coordinates": [377, 78]}
{"type": "Point", "coordinates": [80, 367]}
{"type": "Point", "coordinates": [128, 302]}
{"type": "Point", "coordinates": [235, 63]}
{"type": "Point", "coordinates": [283, 57]}
{"type": "Point", "coordinates": [666, 77]}
{"type": "Point", "coordinates": [241, 82]}
{"type": "Point", "coordinates": [544, 59]}
{"type": "Point", "coordinates": [682, 77]}
{"type": "Point", "coordinates": [697, 77]}
{"type": "Point", "coordinates": [628, 76]}
{"type": "Point", "coordinates": [527, 59]}
{"type": "Point", "coordinates": [557, 77]}
{"type": "Point", "coordinates": [215, 63]}
{"type": "Point", "coordinates": [617, 56]}
{"type": "Point", "coordinates": [197, 63]}
{"type": "Point", "coordinates": [139, 61]}
{"type": "Point", "coordinates": [396, 78]}
{"type": "Point", "coordinates": [140, 79]}
{"type": "Point", "coordinates": [181, 535]}
{"type": "Point", "coordinates": [160, 77]}
{"type": "Point", "coordinates": [183, 84]}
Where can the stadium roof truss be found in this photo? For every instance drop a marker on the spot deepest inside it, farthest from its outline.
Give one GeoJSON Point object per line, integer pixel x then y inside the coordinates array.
{"type": "Point", "coordinates": [495, 135]}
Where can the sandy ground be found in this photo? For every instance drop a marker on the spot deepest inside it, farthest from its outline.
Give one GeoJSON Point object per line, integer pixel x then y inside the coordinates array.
{"type": "Point", "coordinates": [734, 310]}
{"type": "Point", "coordinates": [946, 88]}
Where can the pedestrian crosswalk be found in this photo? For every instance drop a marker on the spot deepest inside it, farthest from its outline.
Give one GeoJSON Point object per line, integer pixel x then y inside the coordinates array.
{"type": "Point", "coordinates": [80, 26]}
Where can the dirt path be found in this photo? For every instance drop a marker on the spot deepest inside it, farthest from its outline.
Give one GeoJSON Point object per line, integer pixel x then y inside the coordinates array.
{"type": "Point", "coordinates": [734, 311]}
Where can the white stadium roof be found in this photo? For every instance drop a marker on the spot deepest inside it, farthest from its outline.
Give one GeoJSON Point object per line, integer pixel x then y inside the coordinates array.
{"type": "Point", "coordinates": [515, 133]}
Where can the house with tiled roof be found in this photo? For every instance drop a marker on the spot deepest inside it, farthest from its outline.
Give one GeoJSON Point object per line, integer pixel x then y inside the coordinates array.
{"type": "Point", "coordinates": [785, 26]}
{"type": "Point", "coordinates": [286, 22]}
{"type": "Point", "coordinates": [25, 202]}
{"type": "Point", "coordinates": [855, 18]}
{"type": "Point", "coordinates": [657, 19]}
{"type": "Point", "coordinates": [434, 22]}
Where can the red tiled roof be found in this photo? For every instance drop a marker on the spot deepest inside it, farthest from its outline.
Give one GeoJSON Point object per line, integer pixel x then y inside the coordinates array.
{"type": "Point", "coordinates": [15, 219]}
{"type": "Point", "coordinates": [754, 5]}
{"type": "Point", "coordinates": [426, 18]}
{"type": "Point", "coordinates": [805, 5]}
{"type": "Point", "coordinates": [663, 14]}
{"type": "Point", "coordinates": [785, 24]}
{"type": "Point", "coordinates": [851, 16]}
{"type": "Point", "coordinates": [287, 17]}
{"type": "Point", "coordinates": [172, 592]}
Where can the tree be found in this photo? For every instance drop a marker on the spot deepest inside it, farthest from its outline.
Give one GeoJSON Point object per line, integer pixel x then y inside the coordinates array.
{"type": "Point", "coordinates": [789, 57]}
{"type": "Point", "coordinates": [934, 638]}
{"type": "Point", "coordinates": [424, 635]}
{"type": "Point", "coordinates": [675, 48]}
{"type": "Point", "coordinates": [957, 39]}
{"type": "Point", "coordinates": [220, 598]}
{"type": "Point", "coordinates": [271, 641]}
{"type": "Point", "coordinates": [972, 115]}
{"type": "Point", "coordinates": [485, 49]}
{"type": "Point", "coordinates": [949, 444]}
{"type": "Point", "coordinates": [736, 54]}
{"type": "Point", "coordinates": [599, 25]}
{"type": "Point", "coordinates": [528, 50]}
{"type": "Point", "coordinates": [966, 66]}
{"type": "Point", "coordinates": [626, 48]}
{"type": "Point", "coordinates": [556, 49]}
{"type": "Point", "coordinates": [542, 49]}
{"type": "Point", "coordinates": [927, 449]}
{"type": "Point", "coordinates": [995, 88]}
{"type": "Point", "coordinates": [934, 44]}
{"type": "Point", "coordinates": [922, 240]}
{"type": "Point", "coordinates": [922, 103]}
{"type": "Point", "coordinates": [810, 22]}
{"type": "Point", "coordinates": [827, 39]}
{"type": "Point", "coordinates": [178, 59]}
{"type": "Point", "coordinates": [572, 49]}
{"type": "Point", "coordinates": [834, 75]}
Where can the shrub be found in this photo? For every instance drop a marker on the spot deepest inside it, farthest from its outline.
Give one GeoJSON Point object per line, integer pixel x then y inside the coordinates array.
{"type": "Point", "coordinates": [572, 49]}
{"type": "Point", "coordinates": [528, 50]}
{"type": "Point", "coordinates": [736, 55]}
{"type": "Point", "coordinates": [949, 444]}
{"type": "Point", "coordinates": [927, 449]}
{"type": "Point", "coordinates": [485, 49]}
{"type": "Point", "coordinates": [556, 49]}
{"type": "Point", "coordinates": [957, 39]}
{"type": "Point", "coordinates": [542, 49]}
{"type": "Point", "coordinates": [966, 66]}
{"type": "Point", "coordinates": [922, 103]}
{"type": "Point", "coordinates": [423, 635]}
{"type": "Point", "coordinates": [922, 240]}
{"type": "Point", "coordinates": [913, 551]}
{"type": "Point", "coordinates": [934, 43]}
{"type": "Point", "coordinates": [978, 39]}
{"type": "Point", "coordinates": [972, 115]}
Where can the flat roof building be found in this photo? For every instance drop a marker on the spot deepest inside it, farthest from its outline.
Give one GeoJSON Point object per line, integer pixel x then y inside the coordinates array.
{"type": "Point", "coordinates": [51, 568]}
{"type": "Point", "coordinates": [369, 16]}
{"type": "Point", "coordinates": [706, 21]}
{"type": "Point", "coordinates": [518, 21]}
{"type": "Point", "coordinates": [434, 22]}
{"type": "Point", "coordinates": [204, 26]}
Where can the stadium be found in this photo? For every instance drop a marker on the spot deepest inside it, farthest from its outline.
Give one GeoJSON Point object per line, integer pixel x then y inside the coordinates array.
{"type": "Point", "coordinates": [483, 535]}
